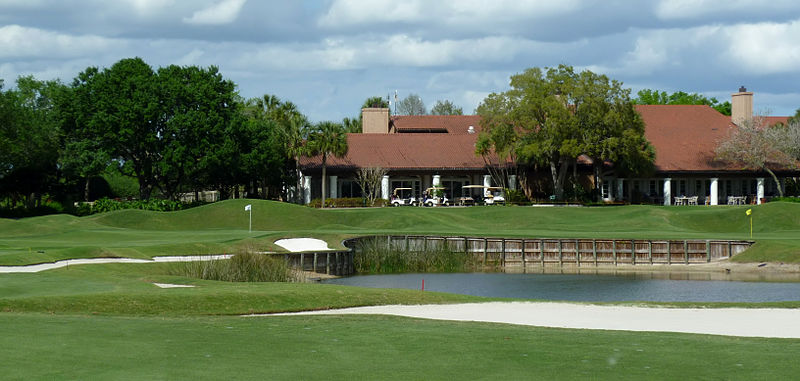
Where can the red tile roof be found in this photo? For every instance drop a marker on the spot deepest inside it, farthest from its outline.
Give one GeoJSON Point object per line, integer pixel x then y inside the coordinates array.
{"type": "Point", "coordinates": [773, 120]}
{"type": "Point", "coordinates": [406, 151]}
{"type": "Point", "coordinates": [453, 124]}
{"type": "Point", "coordinates": [684, 136]}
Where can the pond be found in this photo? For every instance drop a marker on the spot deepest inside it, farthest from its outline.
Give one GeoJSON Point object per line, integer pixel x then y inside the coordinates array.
{"type": "Point", "coordinates": [638, 286]}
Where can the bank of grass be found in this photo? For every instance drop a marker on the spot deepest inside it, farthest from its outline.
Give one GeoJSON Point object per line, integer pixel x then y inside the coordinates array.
{"type": "Point", "coordinates": [369, 347]}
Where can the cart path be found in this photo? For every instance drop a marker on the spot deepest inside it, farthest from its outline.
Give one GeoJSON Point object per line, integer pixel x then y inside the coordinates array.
{"type": "Point", "coordinates": [749, 322]}
{"type": "Point", "coordinates": [88, 261]}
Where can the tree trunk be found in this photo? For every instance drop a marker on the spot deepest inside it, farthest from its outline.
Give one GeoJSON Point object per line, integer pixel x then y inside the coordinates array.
{"type": "Point", "coordinates": [777, 182]}
{"type": "Point", "coordinates": [324, 174]}
{"type": "Point", "coordinates": [86, 190]}
{"type": "Point", "coordinates": [558, 170]}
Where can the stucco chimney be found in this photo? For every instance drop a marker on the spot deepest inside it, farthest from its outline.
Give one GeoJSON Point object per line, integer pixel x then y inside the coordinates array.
{"type": "Point", "coordinates": [741, 106]}
{"type": "Point", "coordinates": [374, 120]}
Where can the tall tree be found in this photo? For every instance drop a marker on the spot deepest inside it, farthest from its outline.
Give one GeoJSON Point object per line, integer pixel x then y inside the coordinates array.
{"type": "Point", "coordinates": [29, 139]}
{"type": "Point", "coordinates": [446, 107]}
{"type": "Point", "coordinates": [655, 97]}
{"type": "Point", "coordinates": [167, 124]}
{"type": "Point", "coordinates": [552, 116]}
{"type": "Point", "coordinates": [327, 139]}
{"type": "Point", "coordinates": [498, 141]}
{"type": "Point", "coordinates": [411, 105]}
{"type": "Point", "coordinates": [369, 179]}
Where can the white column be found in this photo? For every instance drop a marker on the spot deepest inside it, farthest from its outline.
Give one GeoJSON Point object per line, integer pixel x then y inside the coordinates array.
{"type": "Point", "coordinates": [760, 189]}
{"type": "Point", "coordinates": [333, 190]}
{"type": "Point", "coordinates": [620, 196]}
{"type": "Point", "coordinates": [714, 191]}
{"type": "Point", "coordinates": [385, 187]}
{"type": "Point", "coordinates": [437, 180]}
{"type": "Point", "coordinates": [512, 182]}
{"type": "Point", "coordinates": [667, 191]}
{"type": "Point", "coordinates": [487, 180]}
{"type": "Point", "coordinates": [306, 189]}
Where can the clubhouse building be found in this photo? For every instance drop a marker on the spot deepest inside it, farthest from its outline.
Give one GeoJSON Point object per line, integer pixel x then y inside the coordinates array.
{"type": "Point", "coordinates": [431, 150]}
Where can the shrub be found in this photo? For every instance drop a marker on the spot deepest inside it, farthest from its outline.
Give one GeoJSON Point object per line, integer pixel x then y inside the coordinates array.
{"type": "Point", "coordinates": [243, 267]}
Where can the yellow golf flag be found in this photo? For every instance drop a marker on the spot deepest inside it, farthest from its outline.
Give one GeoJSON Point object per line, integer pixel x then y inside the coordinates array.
{"type": "Point", "coordinates": [749, 211]}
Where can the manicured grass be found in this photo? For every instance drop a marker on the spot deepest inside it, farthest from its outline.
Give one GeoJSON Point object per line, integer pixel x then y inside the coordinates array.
{"type": "Point", "coordinates": [369, 347]}
{"type": "Point", "coordinates": [222, 228]}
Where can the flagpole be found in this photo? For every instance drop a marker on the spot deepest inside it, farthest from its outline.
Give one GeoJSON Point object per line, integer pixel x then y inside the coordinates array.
{"type": "Point", "coordinates": [250, 229]}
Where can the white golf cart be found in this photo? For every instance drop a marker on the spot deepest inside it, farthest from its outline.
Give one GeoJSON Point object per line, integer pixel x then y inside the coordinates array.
{"type": "Point", "coordinates": [494, 196]}
{"type": "Point", "coordinates": [403, 197]}
{"type": "Point", "coordinates": [434, 196]}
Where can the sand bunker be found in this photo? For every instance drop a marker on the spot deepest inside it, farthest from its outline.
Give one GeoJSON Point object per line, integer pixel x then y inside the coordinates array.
{"type": "Point", "coordinates": [753, 322]}
{"type": "Point", "coordinates": [303, 244]}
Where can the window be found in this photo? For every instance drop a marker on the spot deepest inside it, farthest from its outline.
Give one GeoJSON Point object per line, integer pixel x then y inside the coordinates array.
{"type": "Point", "coordinates": [454, 188]}
{"type": "Point", "coordinates": [653, 188]}
{"type": "Point", "coordinates": [349, 189]}
{"type": "Point", "coordinates": [406, 183]}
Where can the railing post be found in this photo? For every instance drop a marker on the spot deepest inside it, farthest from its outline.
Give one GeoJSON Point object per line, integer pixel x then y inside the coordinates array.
{"type": "Point", "coordinates": [485, 249]}
{"type": "Point", "coordinates": [560, 253]}
{"type": "Point", "coordinates": [594, 251]}
{"type": "Point", "coordinates": [614, 250]}
{"type": "Point", "coordinates": [730, 251]}
{"type": "Point", "coordinates": [541, 251]}
{"type": "Point", "coordinates": [577, 253]}
{"type": "Point", "coordinates": [315, 261]}
{"type": "Point", "coordinates": [650, 251]}
{"type": "Point", "coordinates": [708, 250]}
{"type": "Point", "coordinates": [503, 260]}
{"type": "Point", "coordinates": [523, 254]}
{"type": "Point", "coordinates": [302, 262]}
{"type": "Point", "coordinates": [328, 263]}
{"type": "Point", "coordinates": [686, 252]}
{"type": "Point", "coordinates": [633, 252]}
{"type": "Point", "coordinates": [669, 252]}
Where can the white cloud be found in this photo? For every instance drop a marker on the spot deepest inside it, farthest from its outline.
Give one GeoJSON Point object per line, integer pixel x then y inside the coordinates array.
{"type": "Point", "coordinates": [395, 50]}
{"type": "Point", "coordinates": [695, 9]}
{"type": "Point", "coordinates": [765, 48]}
{"type": "Point", "coordinates": [18, 42]}
{"type": "Point", "coordinates": [343, 13]}
{"type": "Point", "coordinates": [223, 12]}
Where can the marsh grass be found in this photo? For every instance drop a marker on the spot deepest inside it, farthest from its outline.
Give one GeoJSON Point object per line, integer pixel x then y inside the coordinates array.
{"type": "Point", "coordinates": [246, 266]}
{"type": "Point", "coordinates": [374, 256]}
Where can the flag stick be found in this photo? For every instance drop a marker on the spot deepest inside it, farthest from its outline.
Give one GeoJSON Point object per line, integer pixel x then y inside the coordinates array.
{"type": "Point", "coordinates": [250, 229]}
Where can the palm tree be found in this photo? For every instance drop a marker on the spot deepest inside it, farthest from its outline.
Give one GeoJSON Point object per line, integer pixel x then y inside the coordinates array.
{"type": "Point", "coordinates": [327, 138]}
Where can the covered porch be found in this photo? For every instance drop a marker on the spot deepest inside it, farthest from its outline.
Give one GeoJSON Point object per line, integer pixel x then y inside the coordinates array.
{"type": "Point", "coordinates": [684, 189]}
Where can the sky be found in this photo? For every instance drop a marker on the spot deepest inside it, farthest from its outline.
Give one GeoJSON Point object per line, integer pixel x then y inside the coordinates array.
{"type": "Point", "coordinates": [328, 56]}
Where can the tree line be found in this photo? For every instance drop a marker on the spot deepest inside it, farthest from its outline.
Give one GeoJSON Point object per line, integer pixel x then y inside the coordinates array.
{"type": "Point", "coordinates": [148, 132]}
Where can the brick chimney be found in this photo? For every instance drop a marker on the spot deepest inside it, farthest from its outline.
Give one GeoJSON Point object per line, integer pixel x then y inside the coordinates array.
{"type": "Point", "coordinates": [741, 106]}
{"type": "Point", "coordinates": [374, 120]}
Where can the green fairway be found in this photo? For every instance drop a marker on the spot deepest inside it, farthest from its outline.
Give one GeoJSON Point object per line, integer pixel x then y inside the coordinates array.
{"type": "Point", "coordinates": [111, 322]}
{"type": "Point", "coordinates": [368, 347]}
{"type": "Point", "coordinates": [222, 228]}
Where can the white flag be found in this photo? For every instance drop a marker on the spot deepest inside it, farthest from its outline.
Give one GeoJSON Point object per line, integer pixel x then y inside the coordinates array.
{"type": "Point", "coordinates": [246, 208]}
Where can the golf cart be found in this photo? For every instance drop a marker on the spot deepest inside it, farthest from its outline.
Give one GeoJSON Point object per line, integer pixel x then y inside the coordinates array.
{"type": "Point", "coordinates": [494, 196]}
{"type": "Point", "coordinates": [434, 196]}
{"type": "Point", "coordinates": [403, 197]}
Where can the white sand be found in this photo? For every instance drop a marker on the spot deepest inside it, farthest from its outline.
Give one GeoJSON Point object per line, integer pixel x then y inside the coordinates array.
{"type": "Point", "coordinates": [302, 244]}
{"type": "Point", "coordinates": [71, 262]}
{"type": "Point", "coordinates": [755, 322]}
{"type": "Point", "coordinates": [171, 285]}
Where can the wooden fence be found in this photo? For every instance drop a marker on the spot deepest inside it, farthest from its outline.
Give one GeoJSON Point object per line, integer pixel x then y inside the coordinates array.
{"type": "Point", "coordinates": [334, 262]}
{"type": "Point", "coordinates": [579, 252]}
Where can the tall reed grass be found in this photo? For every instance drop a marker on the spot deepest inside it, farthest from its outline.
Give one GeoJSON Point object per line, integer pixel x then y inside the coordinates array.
{"type": "Point", "coordinates": [374, 256]}
{"type": "Point", "coordinates": [246, 266]}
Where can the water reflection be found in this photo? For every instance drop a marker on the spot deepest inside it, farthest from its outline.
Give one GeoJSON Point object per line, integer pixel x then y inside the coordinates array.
{"type": "Point", "coordinates": [593, 285]}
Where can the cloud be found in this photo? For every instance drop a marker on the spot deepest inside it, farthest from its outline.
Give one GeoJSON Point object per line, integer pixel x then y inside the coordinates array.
{"type": "Point", "coordinates": [767, 48]}
{"type": "Point", "coordinates": [224, 12]}
{"type": "Point", "coordinates": [344, 13]}
{"type": "Point", "coordinates": [716, 9]}
{"type": "Point", "coordinates": [22, 42]}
